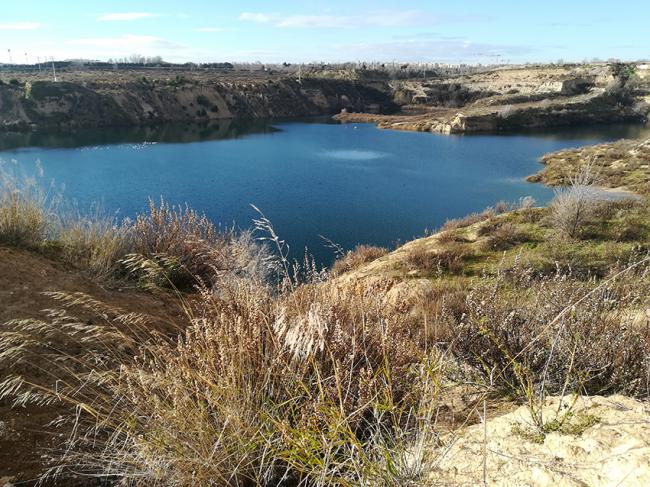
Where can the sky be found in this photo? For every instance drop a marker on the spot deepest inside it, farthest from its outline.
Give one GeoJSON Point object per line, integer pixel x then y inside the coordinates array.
{"type": "Point", "coordinates": [450, 31]}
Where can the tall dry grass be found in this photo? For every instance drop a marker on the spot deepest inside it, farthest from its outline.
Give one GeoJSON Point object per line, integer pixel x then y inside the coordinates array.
{"type": "Point", "coordinates": [311, 382]}
{"type": "Point", "coordinates": [316, 387]}
{"type": "Point", "coordinates": [27, 207]}
{"type": "Point", "coordinates": [168, 246]}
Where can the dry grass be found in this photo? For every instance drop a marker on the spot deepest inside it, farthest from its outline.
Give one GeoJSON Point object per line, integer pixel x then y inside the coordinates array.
{"type": "Point", "coordinates": [355, 258]}
{"type": "Point", "coordinates": [307, 388]}
{"type": "Point", "coordinates": [317, 385]}
{"type": "Point", "coordinates": [168, 246]}
{"type": "Point", "coordinates": [471, 219]}
{"type": "Point", "coordinates": [449, 259]}
{"type": "Point", "coordinates": [309, 383]}
{"type": "Point", "coordinates": [559, 334]}
{"type": "Point", "coordinates": [26, 208]}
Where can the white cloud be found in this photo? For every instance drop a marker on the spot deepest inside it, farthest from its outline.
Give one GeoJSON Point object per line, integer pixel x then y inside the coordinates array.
{"type": "Point", "coordinates": [259, 18]}
{"type": "Point", "coordinates": [418, 49]}
{"type": "Point", "coordinates": [125, 16]}
{"type": "Point", "coordinates": [384, 18]}
{"type": "Point", "coordinates": [316, 21]}
{"type": "Point", "coordinates": [127, 43]}
{"type": "Point", "coordinates": [20, 26]}
{"type": "Point", "coordinates": [210, 29]}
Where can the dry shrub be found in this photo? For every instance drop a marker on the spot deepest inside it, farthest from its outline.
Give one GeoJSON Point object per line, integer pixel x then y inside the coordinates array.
{"type": "Point", "coordinates": [505, 236]}
{"type": "Point", "coordinates": [468, 220]}
{"type": "Point", "coordinates": [575, 205]}
{"type": "Point", "coordinates": [558, 334]}
{"type": "Point", "coordinates": [502, 207]}
{"type": "Point", "coordinates": [311, 388]}
{"type": "Point", "coordinates": [449, 237]}
{"type": "Point", "coordinates": [354, 259]}
{"type": "Point", "coordinates": [169, 246]}
{"type": "Point", "coordinates": [180, 247]}
{"type": "Point", "coordinates": [449, 259]}
{"type": "Point", "coordinates": [26, 208]}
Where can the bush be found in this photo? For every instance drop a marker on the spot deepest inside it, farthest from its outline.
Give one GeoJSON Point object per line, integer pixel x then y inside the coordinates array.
{"type": "Point", "coordinates": [179, 247]}
{"type": "Point", "coordinates": [450, 259]}
{"type": "Point", "coordinates": [203, 101]}
{"type": "Point", "coordinates": [303, 389]}
{"type": "Point", "coordinates": [505, 236]}
{"type": "Point", "coordinates": [354, 259]}
{"type": "Point", "coordinates": [559, 335]}
{"type": "Point", "coordinates": [575, 205]}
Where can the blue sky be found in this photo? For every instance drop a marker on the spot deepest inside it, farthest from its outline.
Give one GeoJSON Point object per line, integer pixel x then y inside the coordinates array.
{"type": "Point", "coordinates": [334, 30]}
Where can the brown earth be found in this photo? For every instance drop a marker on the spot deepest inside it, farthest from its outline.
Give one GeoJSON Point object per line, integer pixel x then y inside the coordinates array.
{"type": "Point", "coordinates": [24, 276]}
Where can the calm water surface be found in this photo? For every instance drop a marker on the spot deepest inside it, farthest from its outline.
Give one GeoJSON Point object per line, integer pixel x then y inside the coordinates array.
{"type": "Point", "coordinates": [351, 183]}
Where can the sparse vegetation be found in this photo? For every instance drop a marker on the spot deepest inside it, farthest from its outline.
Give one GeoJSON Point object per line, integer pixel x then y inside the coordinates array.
{"type": "Point", "coordinates": [169, 246]}
{"type": "Point", "coordinates": [360, 255]}
{"type": "Point", "coordinates": [313, 381]}
{"type": "Point", "coordinates": [305, 385]}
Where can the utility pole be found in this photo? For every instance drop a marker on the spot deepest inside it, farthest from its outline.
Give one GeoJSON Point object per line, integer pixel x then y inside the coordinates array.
{"type": "Point", "coordinates": [38, 58]}
{"type": "Point", "coordinates": [10, 61]}
{"type": "Point", "coordinates": [53, 69]}
{"type": "Point", "coordinates": [26, 59]}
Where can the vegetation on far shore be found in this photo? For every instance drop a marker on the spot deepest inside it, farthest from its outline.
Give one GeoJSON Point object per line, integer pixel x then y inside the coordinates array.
{"type": "Point", "coordinates": [289, 375]}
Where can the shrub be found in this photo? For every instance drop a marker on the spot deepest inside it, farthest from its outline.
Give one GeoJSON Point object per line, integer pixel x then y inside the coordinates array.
{"type": "Point", "coordinates": [180, 247]}
{"type": "Point", "coordinates": [306, 390]}
{"type": "Point", "coordinates": [559, 335]}
{"type": "Point", "coordinates": [203, 101]}
{"type": "Point", "coordinates": [354, 259]}
{"type": "Point", "coordinates": [575, 205]}
{"type": "Point", "coordinates": [505, 236]}
{"type": "Point", "coordinates": [26, 210]}
{"type": "Point", "coordinates": [450, 259]}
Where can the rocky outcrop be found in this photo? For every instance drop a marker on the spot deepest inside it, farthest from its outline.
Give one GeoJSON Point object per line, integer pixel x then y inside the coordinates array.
{"type": "Point", "coordinates": [502, 114]}
{"type": "Point", "coordinates": [142, 102]}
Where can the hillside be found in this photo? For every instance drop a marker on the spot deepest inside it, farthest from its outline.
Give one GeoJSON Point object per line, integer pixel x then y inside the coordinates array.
{"type": "Point", "coordinates": [513, 99]}
{"type": "Point", "coordinates": [101, 99]}
{"type": "Point", "coordinates": [502, 99]}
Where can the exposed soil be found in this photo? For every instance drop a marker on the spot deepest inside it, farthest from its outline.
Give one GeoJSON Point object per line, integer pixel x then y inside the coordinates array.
{"type": "Point", "coordinates": [24, 276]}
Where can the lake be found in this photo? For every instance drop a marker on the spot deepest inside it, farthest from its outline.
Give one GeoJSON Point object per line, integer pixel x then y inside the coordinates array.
{"type": "Point", "coordinates": [351, 183]}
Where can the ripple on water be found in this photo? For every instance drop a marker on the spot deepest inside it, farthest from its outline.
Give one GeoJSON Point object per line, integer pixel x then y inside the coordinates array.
{"type": "Point", "coordinates": [355, 155]}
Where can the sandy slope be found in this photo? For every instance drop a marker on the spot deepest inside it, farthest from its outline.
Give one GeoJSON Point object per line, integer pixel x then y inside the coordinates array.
{"type": "Point", "coordinates": [613, 449]}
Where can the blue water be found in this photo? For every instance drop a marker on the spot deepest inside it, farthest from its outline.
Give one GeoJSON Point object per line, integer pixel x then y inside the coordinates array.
{"type": "Point", "coordinates": [351, 183]}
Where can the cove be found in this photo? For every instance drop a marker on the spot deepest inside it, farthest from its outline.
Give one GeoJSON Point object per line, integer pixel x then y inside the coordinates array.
{"type": "Point", "coordinates": [351, 183]}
